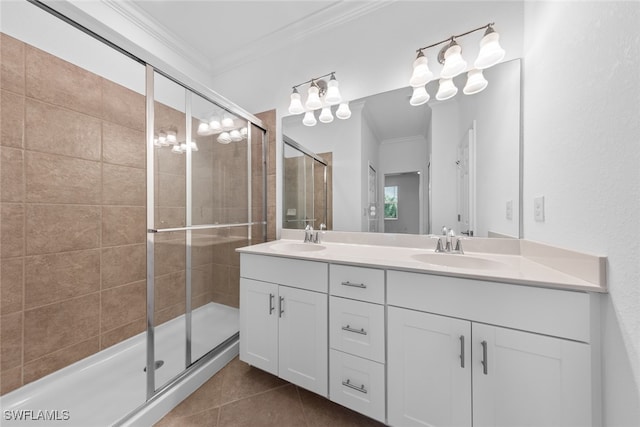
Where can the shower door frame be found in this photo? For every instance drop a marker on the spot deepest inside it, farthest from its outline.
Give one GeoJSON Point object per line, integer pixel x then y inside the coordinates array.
{"type": "Point", "coordinates": [252, 121]}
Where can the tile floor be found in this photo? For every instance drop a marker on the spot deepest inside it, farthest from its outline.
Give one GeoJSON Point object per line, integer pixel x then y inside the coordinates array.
{"type": "Point", "coordinates": [240, 395]}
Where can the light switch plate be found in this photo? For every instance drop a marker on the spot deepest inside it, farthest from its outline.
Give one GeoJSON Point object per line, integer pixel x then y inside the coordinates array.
{"type": "Point", "coordinates": [509, 212]}
{"type": "Point", "coordinates": [538, 209]}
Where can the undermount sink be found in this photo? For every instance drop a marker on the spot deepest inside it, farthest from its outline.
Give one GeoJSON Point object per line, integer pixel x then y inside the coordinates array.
{"type": "Point", "coordinates": [459, 261]}
{"type": "Point", "coordinates": [298, 247]}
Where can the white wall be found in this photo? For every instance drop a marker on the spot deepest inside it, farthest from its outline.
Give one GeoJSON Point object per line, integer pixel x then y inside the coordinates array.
{"type": "Point", "coordinates": [582, 152]}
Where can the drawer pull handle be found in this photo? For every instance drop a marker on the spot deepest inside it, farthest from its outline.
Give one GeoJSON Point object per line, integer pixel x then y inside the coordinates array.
{"type": "Point", "coordinates": [361, 389]}
{"type": "Point", "coordinates": [271, 306]}
{"type": "Point", "coordinates": [484, 361]}
{"type": "Point", "coordinates": [360, 331]}
{"type": "Point", "coordinates": [281, 304]}
{"type": "Point", "coordinates": [354, 285]}
{"type": "Point", "coordinates": [462, 351]}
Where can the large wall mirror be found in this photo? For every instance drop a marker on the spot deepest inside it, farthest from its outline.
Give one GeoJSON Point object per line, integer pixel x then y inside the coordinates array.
{"type": "Point", "coordinates": [414, 169]}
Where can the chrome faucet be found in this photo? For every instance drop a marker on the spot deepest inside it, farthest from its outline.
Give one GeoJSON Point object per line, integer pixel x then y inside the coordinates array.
{"type": "Point", "coordinates": [449, 238]}
{"type": "Point", "coordinates": [308, 234]}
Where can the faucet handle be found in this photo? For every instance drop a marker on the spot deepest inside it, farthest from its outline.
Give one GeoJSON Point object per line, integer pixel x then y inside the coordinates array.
{"type": "Point", "coordinates": [459, 247]}
{"type": "Point", "coordinates": [445, 230]}
{"type": "Point", "coordinates": [323, 227]}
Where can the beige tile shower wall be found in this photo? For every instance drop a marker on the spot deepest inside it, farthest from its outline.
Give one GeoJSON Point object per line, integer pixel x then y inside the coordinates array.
{"type": "Point", "coordinates": [72, 205]}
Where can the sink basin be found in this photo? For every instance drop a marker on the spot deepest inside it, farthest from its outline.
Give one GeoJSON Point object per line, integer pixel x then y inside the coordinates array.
{"type": "Point", "coordinates": [298, 247]}
{"type": "Point", "coordinates": [460, 261]}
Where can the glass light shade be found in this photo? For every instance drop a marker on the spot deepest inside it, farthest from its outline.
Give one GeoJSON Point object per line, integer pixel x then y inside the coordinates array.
{"type": "Point", "coordinates": [176, 149]}
{"type": "Point", "coordinates": [490, 51]}
{"type": "Point", "coordinates": [454, 64]}
{"type": "Point", "coordinates": [162, 139]}
{"type": "Point", "coordinates": [419, 96]}
{"type": "Point", "coordinates": [343, 112]}
{"type": "Point", "coordinates": [194, 146]}
{"type": "Point", "coordinates": [244, 132]}
{"type": "Point", "coordinates": [475, 82]}
{"type": "Point", "coordinates": [235, 135]}
{"type": "Point", "coordinates": [172, 137]}
{"type": "Point", "coordinates": [227, 123]}
{"type": "Point", "coordinates": [224, 138]}
{"type": "Point", "coordinates": [332, 97]}
{"type": "Point", "coordinates": [204, 129]}
{"type": "Point", "coordinates": [421, 73]}
{"type": "Point", "coordinates": [446, 90]}
{"type": "Point", "coordinates": [309, 119]}
{"type": "Point", "coordinates": [296, 107]}
{"type": "Point", "coordinates": [325, 115]}
{"type": "Point", "coordinates": [214, 125]}
{"type": "Point", "coordinates": [156, 142]}
{"type": "Point", "coordinates": [313, 99]}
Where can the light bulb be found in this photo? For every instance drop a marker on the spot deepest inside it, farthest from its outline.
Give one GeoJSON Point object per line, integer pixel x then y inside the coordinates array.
{"type": "Point", "coordinates": [162, 139]}
{"type": "Point", "coordinates": [204, 129]}
{"type": "Point", "coordinates": [227, 123]}
{"type": "Point", "coordinates": [156, 142]}
{"type": "Point", "coordinates": [244, 132]}
{"type": "Point", "coordinates": [214, 125]}
{"type": "Point", "coordinates": [325, 115]}
{"type": "Point", "coordinates": [446, 90]}
{"type": "Point", "coordinates": [176, 149]}
{"type": "Point", "coordinates": [313, 98]}
{"type": "Point", "coordinates": [490, 50]}
{"type": "Point", "coordinates": [295, 107]}
{"type": "Point", "coordinates": [332, 96]}
{"type": "Point", "coordinates": [309, 119]}
{"type": "Point", "coordinates": [454, 64]}
{"type": "Point", "coordinates": [475, 82]}
{"type": "Point", "coordinates": [419, 96]}
{"type": "Point", "coordinates": [235, 135]}
{"type": "Point", "coordinates": [172, 137]}
{"type": "Point", "coordinates": [343, 112]}
{"type": "Point", "coordinates": [224, 138]}
{"type": "Point", "coordinates": [421, 73]}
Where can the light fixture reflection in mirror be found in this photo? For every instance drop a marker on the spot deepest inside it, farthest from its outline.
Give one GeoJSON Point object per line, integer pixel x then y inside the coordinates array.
{"type": "Point", "coordinates": [428, 138]}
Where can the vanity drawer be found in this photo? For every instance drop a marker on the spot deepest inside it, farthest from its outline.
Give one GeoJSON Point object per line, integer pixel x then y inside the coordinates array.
{"type": "Point", "coordinates": [357, 384]}
{"type": "Point", "coordinates": [357, 327]}
{"type": "Point", "coordinates": [361, 283]}
{"type": "Point", "coordinates": [296, 273]}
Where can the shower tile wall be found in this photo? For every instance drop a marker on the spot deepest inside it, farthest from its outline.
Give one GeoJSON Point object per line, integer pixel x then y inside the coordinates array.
{"type": "Point", "coordinates": [73, 219]}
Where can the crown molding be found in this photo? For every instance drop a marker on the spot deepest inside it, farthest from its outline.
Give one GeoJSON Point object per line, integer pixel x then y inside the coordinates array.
{"type": "Point", "coordinates": [133, 14]}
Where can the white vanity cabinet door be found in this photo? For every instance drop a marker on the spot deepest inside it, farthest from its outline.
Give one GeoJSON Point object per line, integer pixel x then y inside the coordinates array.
{"type": "Point", "coordinates": [259, 324]}
{"type": "Point", "coordinates": [530, 379]}
{"type": "Point", "coordinates": [429, 369]}
{"type": "Point", "coordinates": [303, 338]}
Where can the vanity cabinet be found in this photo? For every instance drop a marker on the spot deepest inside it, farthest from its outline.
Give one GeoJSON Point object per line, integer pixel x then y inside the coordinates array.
{"type": "Point", "coordinates": [283, 319]}
{"type": "Point", "coordinates": [357, 339]}
{"type": "Point", "coordinates": [466, 352]}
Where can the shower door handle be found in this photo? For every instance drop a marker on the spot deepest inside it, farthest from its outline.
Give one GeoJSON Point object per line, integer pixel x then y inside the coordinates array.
{"type": "Point", "coordinates": [271, 306]}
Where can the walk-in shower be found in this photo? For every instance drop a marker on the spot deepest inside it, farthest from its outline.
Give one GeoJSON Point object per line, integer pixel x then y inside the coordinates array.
{"type": "Point", "coordinates": [125, 192]}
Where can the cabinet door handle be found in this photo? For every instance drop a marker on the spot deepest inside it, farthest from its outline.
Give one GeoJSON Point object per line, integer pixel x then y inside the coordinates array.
{"type": "Point", "coordinates": [360, 331]}
{"type": "Point", "coordinates": [354, 285]}
{"type": "Point", "coordinates": [361, 389]}
{"type": "Point", "coordinates": [462, 351]}
{"type": "Point", "coordinates": [281, 304]}
{"type": "Point", "coordinates": [485, 364]}
{"type": "Point", "coordinates": [271, 306]}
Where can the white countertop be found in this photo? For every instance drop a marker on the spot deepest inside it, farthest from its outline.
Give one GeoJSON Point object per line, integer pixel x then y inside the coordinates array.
{"type": "Point", "coordinates": [499, 260]}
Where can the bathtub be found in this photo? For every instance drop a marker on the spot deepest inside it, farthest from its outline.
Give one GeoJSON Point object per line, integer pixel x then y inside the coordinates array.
{"type": "Point", "coordinates": [109, 387]}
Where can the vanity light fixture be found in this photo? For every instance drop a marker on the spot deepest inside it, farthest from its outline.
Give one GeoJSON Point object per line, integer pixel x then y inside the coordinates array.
{"type": "Point", "coordinates": [320, 95]}
{"type": "Point", "coordinates": [450, 56]}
